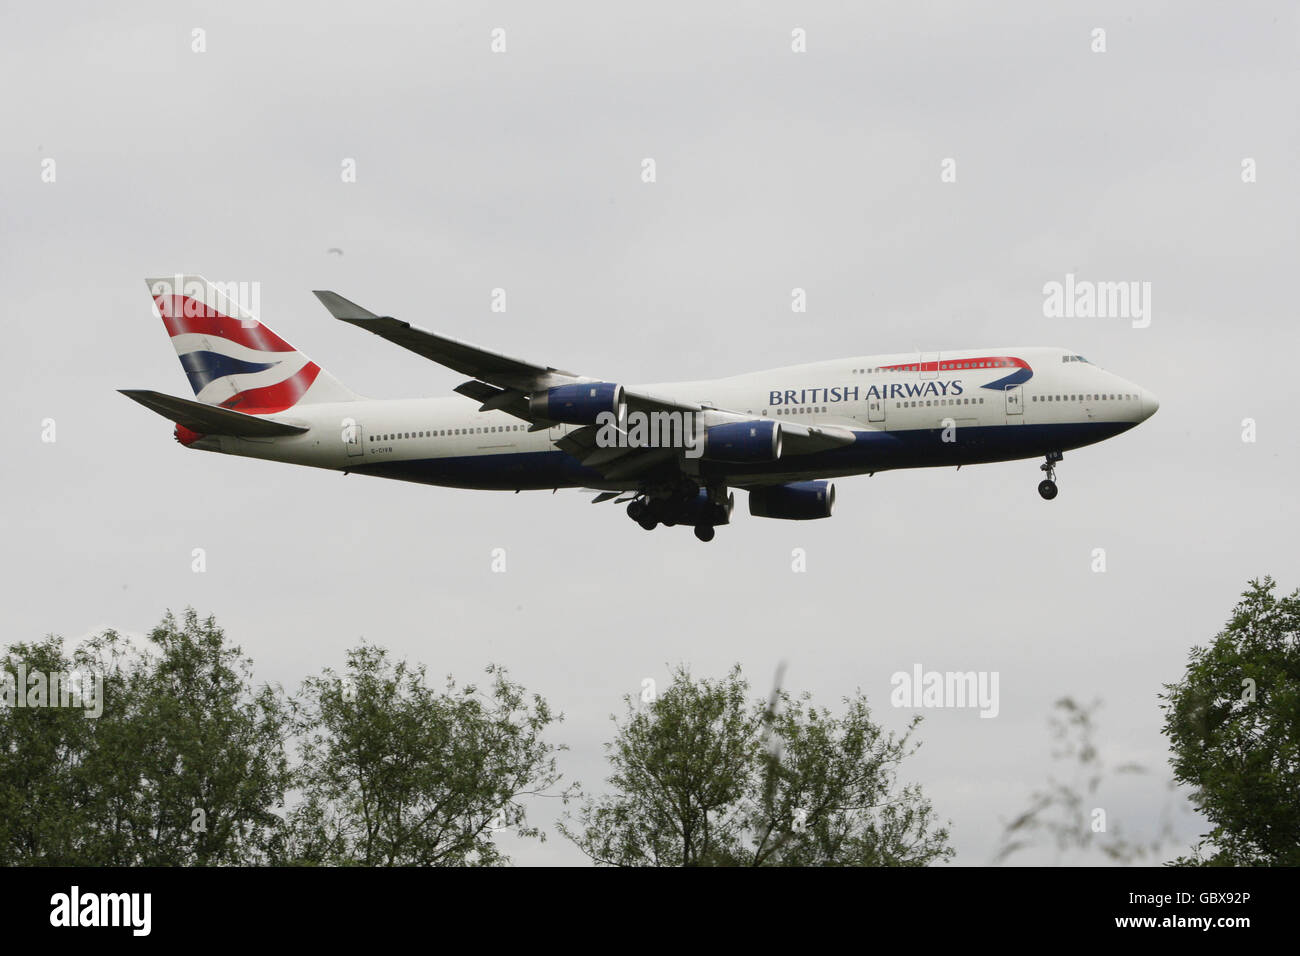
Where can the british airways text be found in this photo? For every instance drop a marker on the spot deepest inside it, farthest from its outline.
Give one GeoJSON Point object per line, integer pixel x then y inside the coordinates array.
{"type": "Point", "coordinates": [853, 393]}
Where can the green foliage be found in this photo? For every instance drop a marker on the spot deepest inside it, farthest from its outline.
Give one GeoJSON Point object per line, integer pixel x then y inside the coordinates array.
{"type": "Point", "coordinates": [1233, 724]}
{"type": "Point", "coordinates": [44, 810]}
{"type": "Point", "coordinates": [184, 766]}
{"type": "Point", "coordinates": [395, 773]}
{"type": "Point", "coordinates": [705, 776]}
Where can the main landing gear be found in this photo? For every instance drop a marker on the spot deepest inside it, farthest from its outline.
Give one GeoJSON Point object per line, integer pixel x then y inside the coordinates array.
{"type": "Point", "coordinates": [1047, 487]}
{"type": "Point", "coordinates": [640, 512]}
{"type": "Point", "coordinates": [683, 503]}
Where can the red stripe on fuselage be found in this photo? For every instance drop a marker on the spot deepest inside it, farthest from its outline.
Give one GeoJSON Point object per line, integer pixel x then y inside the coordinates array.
{"type": "Point", "coordinates": [182, 314]}
{"type": "Point", "coordinates": [274, 398]}
{"type": "Point", "coordinates": [962, 364]}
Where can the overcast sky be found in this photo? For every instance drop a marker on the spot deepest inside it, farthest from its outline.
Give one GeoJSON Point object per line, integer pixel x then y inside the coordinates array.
{"type": "Point", "coordinates": [775, 170]}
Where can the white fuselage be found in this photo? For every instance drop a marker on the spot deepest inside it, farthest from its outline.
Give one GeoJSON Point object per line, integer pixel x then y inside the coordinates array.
{"type": "Point", "coordinates": [1051, 400]}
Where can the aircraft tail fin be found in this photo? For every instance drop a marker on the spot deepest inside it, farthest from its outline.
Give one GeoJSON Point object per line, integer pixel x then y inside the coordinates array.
{"type": "Point", "coordinates": [231, 359]}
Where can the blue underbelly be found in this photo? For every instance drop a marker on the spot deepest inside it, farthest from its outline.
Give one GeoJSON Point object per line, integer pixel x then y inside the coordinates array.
{"type": "Point", "coordinates": [872, 451]}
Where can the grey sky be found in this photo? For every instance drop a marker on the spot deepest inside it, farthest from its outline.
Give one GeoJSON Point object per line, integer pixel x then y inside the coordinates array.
{"type": "Point", "coordinates": [775, 170]}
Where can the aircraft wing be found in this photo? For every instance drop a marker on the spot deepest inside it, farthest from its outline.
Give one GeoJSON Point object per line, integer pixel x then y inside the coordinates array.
{"type": "Point", "coordinates": [491, 367]}
{"type": "Point", "coordinates": [500, 382]}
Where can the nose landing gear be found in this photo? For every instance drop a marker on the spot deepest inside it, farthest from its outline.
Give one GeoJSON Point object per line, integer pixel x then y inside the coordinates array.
{"type": "Point", "coordinates": [1047, 487]}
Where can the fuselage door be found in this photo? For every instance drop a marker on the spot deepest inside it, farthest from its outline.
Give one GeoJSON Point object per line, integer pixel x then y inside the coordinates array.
{"type": "Point", "coordinates": [929, 365]}
{"type": "Point", "coordinates": [1015, 398]}
{"type": "Point", "coordinates": [875, 409]}
{"type": "Point", "coordinates": [352, 438]}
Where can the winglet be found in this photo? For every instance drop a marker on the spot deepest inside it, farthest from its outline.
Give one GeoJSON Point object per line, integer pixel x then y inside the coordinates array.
{"type": "Point", "coordinates": [341, 308]}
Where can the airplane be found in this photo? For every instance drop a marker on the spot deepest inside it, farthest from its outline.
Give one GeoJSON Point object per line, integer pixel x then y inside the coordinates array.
{"type": "Point", "coordinates": [673, 453]}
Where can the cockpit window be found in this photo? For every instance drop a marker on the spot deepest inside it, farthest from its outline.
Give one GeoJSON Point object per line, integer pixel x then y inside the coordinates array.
{"type": "Point", "coordinates": [1074, 358]}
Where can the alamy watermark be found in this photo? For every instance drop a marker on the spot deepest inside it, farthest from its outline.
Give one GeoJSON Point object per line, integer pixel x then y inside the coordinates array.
{"type": "Point", "coordinates": [83, 690]}
{"type": "Point", "coordinates": [179, 297]}
{"type": "Point", "coordinates": [959, 689]}
{"type": "Point", "coordinates": [1085, 299]}
{"type": "Point", "coordinates": [637, 429]}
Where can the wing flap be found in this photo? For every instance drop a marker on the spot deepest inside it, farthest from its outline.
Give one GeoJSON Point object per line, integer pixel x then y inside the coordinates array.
{"type": "Point", "coordinates": [509, 400]}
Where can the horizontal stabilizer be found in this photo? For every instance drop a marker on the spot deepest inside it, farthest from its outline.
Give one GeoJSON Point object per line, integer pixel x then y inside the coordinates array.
{"type": "Point", "coordinates": [210, 419]}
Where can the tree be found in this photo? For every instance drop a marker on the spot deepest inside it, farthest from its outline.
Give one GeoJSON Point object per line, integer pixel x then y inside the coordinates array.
{"type": "Point", "coordinates": [397, 774]}
{"type": "Point", "coordinates": [185, 764]}
{"type": "Point", "coordinates": [43, 806]}
{"type": "Point", "coordinates": [702, 775]}
{"type": "Point", "coordinates": [1233, 724]}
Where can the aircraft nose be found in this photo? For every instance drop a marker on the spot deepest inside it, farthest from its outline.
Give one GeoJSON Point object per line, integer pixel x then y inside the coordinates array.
{"type": "Point", "coordinates": [1149, 404]}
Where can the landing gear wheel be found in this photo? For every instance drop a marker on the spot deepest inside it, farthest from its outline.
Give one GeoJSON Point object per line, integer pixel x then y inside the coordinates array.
{"type": "Point", "coordinates": [648, 523]}
{"type": "Point", "coordinates": [704, 532]}
{"type": "Point", "coordinates": [636, 510]}
{"type": "Point", "coordinates": [1047, 487]}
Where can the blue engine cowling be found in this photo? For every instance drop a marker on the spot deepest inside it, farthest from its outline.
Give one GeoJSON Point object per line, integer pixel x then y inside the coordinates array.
{"type": "Point", "coordinates": [577, 404]}
{"type": "Point", "coordinates": [797, 501]}
{"type": "Point", "coordinates": [743, 442]}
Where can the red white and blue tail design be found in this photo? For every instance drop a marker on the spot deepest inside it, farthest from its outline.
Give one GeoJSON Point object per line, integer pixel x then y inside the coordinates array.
{"type": "Point", "coordinates": [233, 360]}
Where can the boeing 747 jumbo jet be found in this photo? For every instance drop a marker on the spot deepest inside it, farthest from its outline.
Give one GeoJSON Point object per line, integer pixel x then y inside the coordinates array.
{"type": "Point", "coordinates": [672, 452]}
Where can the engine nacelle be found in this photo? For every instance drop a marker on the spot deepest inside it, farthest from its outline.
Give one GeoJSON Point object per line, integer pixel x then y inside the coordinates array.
{"type": "Point", "coordinates": [577, 404]}
{"type": "Point", "coordinates": [743, 442]}
{"type": "Point", "coordinates": [797, 501]}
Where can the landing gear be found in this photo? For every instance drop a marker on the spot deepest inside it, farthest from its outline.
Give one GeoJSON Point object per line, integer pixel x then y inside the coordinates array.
{"type": "Point", "coordinates": [684, 503]}
{"type": "Point", "coordinates": [1047, 487]}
